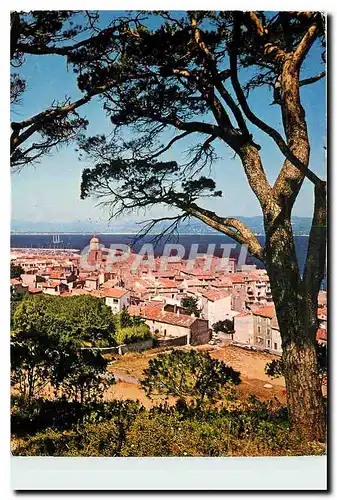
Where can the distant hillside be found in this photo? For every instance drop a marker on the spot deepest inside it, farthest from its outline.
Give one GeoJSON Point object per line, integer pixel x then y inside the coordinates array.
{"type": "Point", "coordinates": [301, 226]}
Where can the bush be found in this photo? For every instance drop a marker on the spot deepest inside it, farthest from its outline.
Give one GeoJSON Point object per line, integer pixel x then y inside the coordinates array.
{"type": "Point", "coordinates": [130, 334]}
{"type": "Point", "coordinates": [160, 435]}
{"type": "Point", "coordinates": [189, 374]}
{"type": "Point", "coordinates": [92, 430]}
{"type": "Point", "coordinates": [124, 428]}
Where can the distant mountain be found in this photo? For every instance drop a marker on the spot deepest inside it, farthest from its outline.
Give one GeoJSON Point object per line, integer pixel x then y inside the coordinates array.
{"type": "Point", "coordinates": [301, 226]}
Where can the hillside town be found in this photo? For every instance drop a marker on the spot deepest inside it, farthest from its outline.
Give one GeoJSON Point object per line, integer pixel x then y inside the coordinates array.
{"type": "Point", "coordinates": [231, 305]}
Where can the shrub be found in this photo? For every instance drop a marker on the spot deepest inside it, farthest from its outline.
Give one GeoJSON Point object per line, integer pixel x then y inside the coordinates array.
{"type": "Point", "coordinates": [189, 374]}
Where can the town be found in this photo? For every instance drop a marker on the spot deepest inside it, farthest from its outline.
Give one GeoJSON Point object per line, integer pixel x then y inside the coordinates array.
{"type": "Point", "coordinates": [182, 304]}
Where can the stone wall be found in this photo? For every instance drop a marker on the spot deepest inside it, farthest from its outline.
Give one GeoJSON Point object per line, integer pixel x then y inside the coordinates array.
{"type": "Point", "coordinates": [141, 345]}
{"type": "Point", "coordinates": [164, 342]}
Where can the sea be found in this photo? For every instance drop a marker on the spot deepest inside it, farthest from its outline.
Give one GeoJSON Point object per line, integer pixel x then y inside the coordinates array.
{"type": "Point", "coordinates": [80, 241]}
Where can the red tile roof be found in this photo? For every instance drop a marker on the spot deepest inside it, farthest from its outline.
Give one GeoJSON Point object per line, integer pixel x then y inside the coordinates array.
{"type": "Point", "coordinates": [52, 284]}
{"type": "Point", "coordinates": [321, 334]}
{"type": "Point", "coordinates": [168, 317]}
{"type": "Point", "coordinates": [214, 295]}
{"type": "Point", "coordinates": [322, 313]}
{"type": "Point", "coordinates": [265, 311]}
{"type": "Point", "coordinates": [16, 281]}
{"type": "Point", "coordinates": [242, 314]}
{"type": "Point", "coordinates": [114, 293]}
{"type": "Point", "coordinates": [166, 283]}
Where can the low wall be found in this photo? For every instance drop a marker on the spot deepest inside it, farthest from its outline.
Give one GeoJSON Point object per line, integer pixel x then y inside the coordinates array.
{"type": "Point", "coordinates": [141, 345]}
{"type": "Point", "coordinates": [176, 341]}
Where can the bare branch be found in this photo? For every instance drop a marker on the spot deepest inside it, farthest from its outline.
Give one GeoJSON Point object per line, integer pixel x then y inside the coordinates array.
{"type": "Point", "coordinates": [257, 121]}
{"type": "Point", "coordinates": [172, 141]}
{"type": "Point", "coordinates": [312, 79]}
{"type": "Point", "coordinates": [305, 44]}
{"type": "Point", "coordinates": [219, 80]}
{"type": "Point", "coordinates": [231, 227]}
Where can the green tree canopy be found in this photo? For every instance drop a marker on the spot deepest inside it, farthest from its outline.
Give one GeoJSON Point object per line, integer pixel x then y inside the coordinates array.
{"type": "Point", "coordinates": [85, 318]}
{"type": "Point", "coordinates": [16, 270]}
{"type": "Point", "coordinates": [189, 374]}
{"type": "Point", "coordinates": [226, 326]}
{"type": "Point", "coordinates": [190, 304]}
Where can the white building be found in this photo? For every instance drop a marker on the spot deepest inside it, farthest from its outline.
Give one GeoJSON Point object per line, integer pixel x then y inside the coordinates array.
{"type": "Point", "coordinates": [170, 326]}
{"type": "Point", "coordinates": [116, 299]}
{"type": "Point", "coordinates": [244, 328]}
{"type": "Point", "coordinates": [215, 305]}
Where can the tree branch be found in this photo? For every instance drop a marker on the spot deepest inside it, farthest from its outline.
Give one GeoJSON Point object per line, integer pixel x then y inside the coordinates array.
{"type": "Point", "coordinates": [169, 144]}
{"type": "Point", "coordinates": [37, 121]}
{"type": "Point", "coordinates": [305, 44]}
{"type": "Point", "coordinates": [312, 79]}
{"type": "Point", "coordinates": [231, 227]}
{"type": "Point", "coordinates": [218, 80]}
{"type": "Point", "coordinates": [257, 121]}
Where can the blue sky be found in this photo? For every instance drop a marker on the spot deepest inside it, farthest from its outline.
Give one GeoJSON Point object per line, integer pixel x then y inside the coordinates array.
{"type": "Point", "coordinates": [50, 190]}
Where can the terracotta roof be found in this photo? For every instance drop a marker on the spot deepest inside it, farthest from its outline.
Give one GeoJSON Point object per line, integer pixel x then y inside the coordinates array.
{"type": "Point", "coordinates": [52, 284]}
{"type": "Point", "coordinates": [109, 284]}
{"type": "Point", "coordinates": [321, 334]}
{"type": "Point", "coordinates": [214, 295]}
{"type": "Point", "coordinates": [265, 311]}
{"type": "Point", "coordinates": [238, 279]}
{"type": "Point", "coordinates": [168, 317]}
{"type": "Point", "coordinates": [166, 283]}
{"type": "Point", "coordinates": [32, 289]}
{"type": "Point", "coordinates": [114, 293]}
{"type": "Point", "coordinates": [322, 313]}
{"type": "Point", "coordinates": [242, 314]}
{"type": "Point", "coordinates": [16, 281]}
{"type": "Point", "coordinates": [56, 274]}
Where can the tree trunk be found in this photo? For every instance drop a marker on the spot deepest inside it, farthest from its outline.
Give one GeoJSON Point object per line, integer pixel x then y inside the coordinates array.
{"type": "Point", "coordinates": [296, 310]}
{"type": "Point", "coordinates": [304, 394]}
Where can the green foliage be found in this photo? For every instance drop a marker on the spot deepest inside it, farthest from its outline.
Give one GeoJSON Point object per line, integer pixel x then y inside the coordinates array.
{"type": "Point", "coordinates": [191, 305]}
{"type": "Point", "coordinates": [84, 318]}
{"type": "Point", "coordinates": [124, 428]}
{"type": "Point", "coordinates": [102, 432]}
{"type": "Point", "coordinates": [46, 346]}
{"type": "Point", "coordinates": [226, 326]}
{"type": "Point", "coordinates": [16, 270]}
{"type": "Point", "coordinates": [125, 318]}
{"type": "Point", "coordinates": [162, 435]}
{"type": "Point", "coordinates": [132, 333]}
{"type": "Point", "coordinates": [30, 417]}
{"type": "Point", "coordinates": [189, 374]}
{"type": "Point", "coordinates": [129, 328]}
{"type": "Point", "coordinates": [86, 377]}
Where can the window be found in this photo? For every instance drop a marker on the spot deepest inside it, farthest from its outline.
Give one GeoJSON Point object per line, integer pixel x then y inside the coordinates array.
{"type": "Point", "coordinates": [115, 301]}
{"type": "Point", "coordinates": [258, 329]}
{"type": "Point", "coordinates": [268, 343]}
{"type": "Point", "coordinates": [275, 346]}
{"type": "Point", "coordinates": [268, 321]}
{"type": "Point", "coordinates": [259, 320]}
